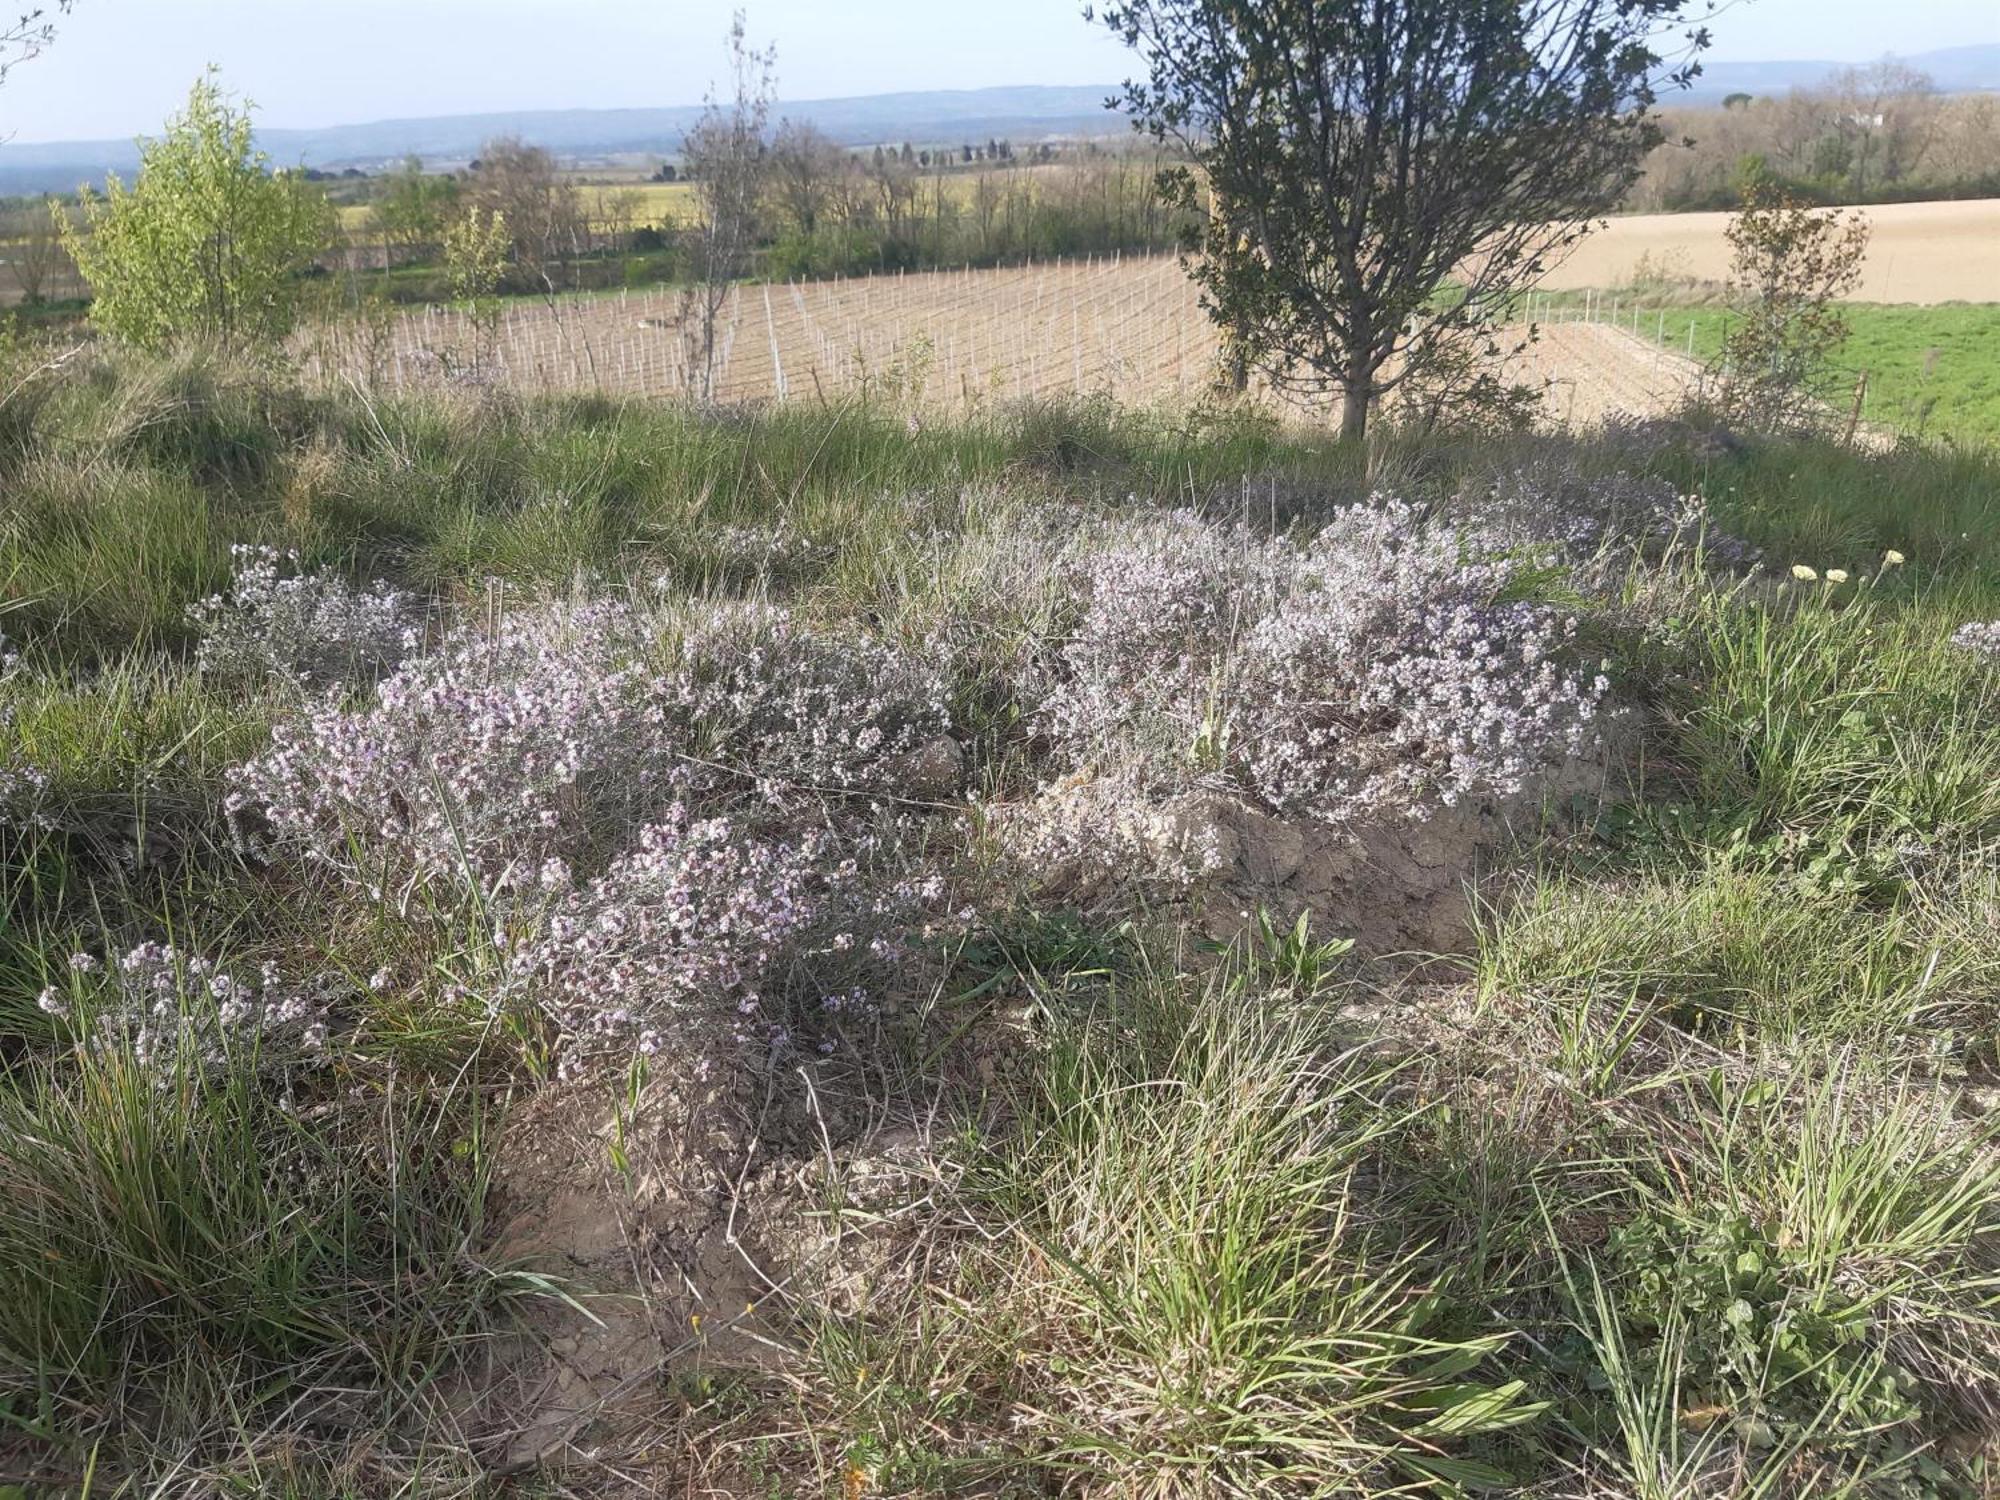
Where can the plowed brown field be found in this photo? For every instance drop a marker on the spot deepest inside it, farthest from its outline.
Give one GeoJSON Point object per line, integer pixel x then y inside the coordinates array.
{"type": "Point", "coordinates": [1917, 252]}
{"type": "Point", "coordinates": [1132, 327]}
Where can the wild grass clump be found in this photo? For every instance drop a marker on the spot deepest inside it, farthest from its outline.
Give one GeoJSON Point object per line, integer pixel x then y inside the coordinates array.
{"type": "Point", "coordinates": [190, 1253]}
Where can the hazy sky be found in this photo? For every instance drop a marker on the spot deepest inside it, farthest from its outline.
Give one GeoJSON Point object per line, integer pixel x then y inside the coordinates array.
{"type": "Point", "coordinates": [119, 66]}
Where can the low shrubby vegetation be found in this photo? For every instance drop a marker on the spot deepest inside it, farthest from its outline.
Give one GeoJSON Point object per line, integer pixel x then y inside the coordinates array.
{"type": "Point", "coordinates": [587, 944]}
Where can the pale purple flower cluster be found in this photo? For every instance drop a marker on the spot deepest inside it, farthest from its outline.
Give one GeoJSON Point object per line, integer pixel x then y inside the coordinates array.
{"type": "Point", "coordinates": [627, 789]}
{"type": "Point", "coordinates": [173, 1009]}
{"type": "Point", "coordinates": [1369, 671]}
{"type": "Point", "coordinates": [1162, 602]}
{"type": "Point", "coordinates": [503, 748]}
{"type": "Point", "coordinates": [1552, 505]}
{"type": "Point", "coordinates": [21, 784]}
{"type": "Point", "coordinates": [798, 710]}
{"type": "Point", "coordinates": [310, 627]}
{"type": "Point", "coordinates": [1393, 676]}
{"type": "Point", "coordinates": [1980, 636]}
{"type": "Point", "coordinates": [558, 733]}
{"type": "Point", "coordinates": [679, 939]}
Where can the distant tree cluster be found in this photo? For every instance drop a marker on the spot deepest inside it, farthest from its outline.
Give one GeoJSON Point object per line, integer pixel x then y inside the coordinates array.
{"type": "Point", "coordinates": [1879, 133]}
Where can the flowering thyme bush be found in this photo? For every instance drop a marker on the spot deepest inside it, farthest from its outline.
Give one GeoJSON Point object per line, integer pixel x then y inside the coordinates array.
{"type": "Point", "coordinates": [1551, 505]}
{"type": "Point", "coordinates": [173, 1008]}
{"type": "Point", "coordinates": [499, 751]}
{"type": "Point", "coordinates": [21, 784]}
{"type": "Point", "coordinates": [697, 939]}
{"type": "Point", "coordinates": [798, 710]}
{"type": "Point", "coordinates": [1163, 601]}
{"type": "Point", "coordinates": [1980, 637]}
{"type": "Point", "coordinates": [313, 628]}
{"type": "Point", "coordinates": [559, 733]}
{"type": "Point", "coordinates": [1393, 674]}
{"type": "Point", "coordinates": [1369, 671]}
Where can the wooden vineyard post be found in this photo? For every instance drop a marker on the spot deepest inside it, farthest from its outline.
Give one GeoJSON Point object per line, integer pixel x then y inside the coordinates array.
{"type": "Point", "coordinates": [1854, 416]}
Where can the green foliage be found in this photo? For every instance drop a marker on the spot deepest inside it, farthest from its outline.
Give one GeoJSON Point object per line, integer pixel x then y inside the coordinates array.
{"type": "Point", "coordinates": [1790, 267]}
{"type": "Point", "coordinates": [415, 206]}
{"type": "Point", "coordinates": [1347, 160]}
{"type": "Point", "coordinates": [191, 1233]}
{"type": "Point", "coordinates": [208, 244]}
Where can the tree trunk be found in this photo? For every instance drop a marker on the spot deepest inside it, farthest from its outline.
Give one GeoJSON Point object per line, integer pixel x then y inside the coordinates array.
{"type": "Point", "coordinates": [1354, 408]}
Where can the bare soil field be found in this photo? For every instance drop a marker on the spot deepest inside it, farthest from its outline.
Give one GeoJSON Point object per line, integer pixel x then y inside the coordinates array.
{"type": "Point", "coordinates": [1132, 327]}
{"type": "Point", "coordinates": [1918, 252]}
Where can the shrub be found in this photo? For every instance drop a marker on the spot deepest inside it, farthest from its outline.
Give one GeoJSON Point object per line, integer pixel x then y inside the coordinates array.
{"type": "Point", "coordinates": [208, 243]}
{"type": "Point", "coordinates": [503, 749]}
{"type": "Point", "coordinates": [693, 943]}
{"type": "Point", "coordinates": [311, 628]}
{"type": "Point", "coordinates": [1370, 671]}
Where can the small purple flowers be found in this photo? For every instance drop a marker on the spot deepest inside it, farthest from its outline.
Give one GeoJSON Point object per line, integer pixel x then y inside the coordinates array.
{"type": "Point", "coordinates": [179, 1009]}
{"type": "Point", "coordinates": [1979, 637]}
{"type": "Point", "coordinates": [1369, 671]}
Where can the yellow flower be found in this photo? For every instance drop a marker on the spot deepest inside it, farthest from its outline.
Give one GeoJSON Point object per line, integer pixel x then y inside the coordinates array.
{"type": "Point", "coordinates": [1803, 573]}
{"type": "Point", "coordinates": [1836, 575]}
{"type": "Point", "coordinates": [1893, 559]}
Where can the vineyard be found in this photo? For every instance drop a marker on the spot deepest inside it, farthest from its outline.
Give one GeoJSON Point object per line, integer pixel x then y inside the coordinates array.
{"type": "Point", "coordinates": [1131, 326]}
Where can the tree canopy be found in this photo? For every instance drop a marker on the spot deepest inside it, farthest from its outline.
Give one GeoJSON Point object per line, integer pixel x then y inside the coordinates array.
{"type": "Point", "coordinates": [208, 243]}
{"type": "Point", "coordinates": [1374, 179]}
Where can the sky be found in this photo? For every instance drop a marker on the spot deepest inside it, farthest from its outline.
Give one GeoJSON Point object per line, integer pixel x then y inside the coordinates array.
{"type": "Point", "coordinates": [119, 67]}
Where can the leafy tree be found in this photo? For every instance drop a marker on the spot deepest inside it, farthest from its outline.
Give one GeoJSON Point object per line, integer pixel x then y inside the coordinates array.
{"type": "Point", "coordinates": [1789, 268]}
{"type": "Point", "coordinates": [208, 243]}
{"type": "Point", "coordinates": [414, 205]}
{"type": "Point", "coordinates": [1358, 155]}
{"type": "Point", "coordinates": [521, 185]}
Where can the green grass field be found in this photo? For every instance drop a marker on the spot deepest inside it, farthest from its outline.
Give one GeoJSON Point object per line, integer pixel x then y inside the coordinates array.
{"type": "Point", "coordinates": [1631, 1135]}
{"type": "Point", "coordinates": [1931, 370]}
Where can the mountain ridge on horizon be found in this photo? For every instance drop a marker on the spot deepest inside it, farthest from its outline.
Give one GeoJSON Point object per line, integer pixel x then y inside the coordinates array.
{"type": "Point", "coordinates": [1020, 112]}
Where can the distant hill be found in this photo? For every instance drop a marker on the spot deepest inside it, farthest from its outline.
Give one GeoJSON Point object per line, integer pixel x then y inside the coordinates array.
{"type": "Point", "coordinates": [1023, 115]}
{"type": "Point", "coordinates": [935, 117]}
{"type": "Point", "coordinates": [1955, 70]}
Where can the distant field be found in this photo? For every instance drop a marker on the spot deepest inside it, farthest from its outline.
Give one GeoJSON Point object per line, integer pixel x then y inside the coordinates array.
{"type": "Point", "coordinates": [1130, 326]}
{"type": "Point", "coordinates": [1918, 252]}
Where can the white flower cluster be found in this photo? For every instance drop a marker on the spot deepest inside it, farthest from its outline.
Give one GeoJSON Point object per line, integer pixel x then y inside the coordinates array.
{"type": "Point", "coordinates": [173, 1008]}
{"type": "Point", "coordinates": [1369, 671]}
{"type": "Point", "coordinates": [312, 627]}
{"type": "Point", "coordinates": [1582, 517]}
{"type": "Point", "coordinates": [1981, 636]}
{"type": "Point", "coordinates": [21, 784]}
{"type": "Point", "coordinates": [657, 808]}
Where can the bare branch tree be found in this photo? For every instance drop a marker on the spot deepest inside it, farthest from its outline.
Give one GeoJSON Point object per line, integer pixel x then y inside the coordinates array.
{"type": "Point", "coordinates": [727, 156]}
{"type": "Point", "coordinates": [34, 252]}
{"type": "Point", "coordinates": [806, 168]}
{"type": "Point", "coordinates": [31, 31]}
